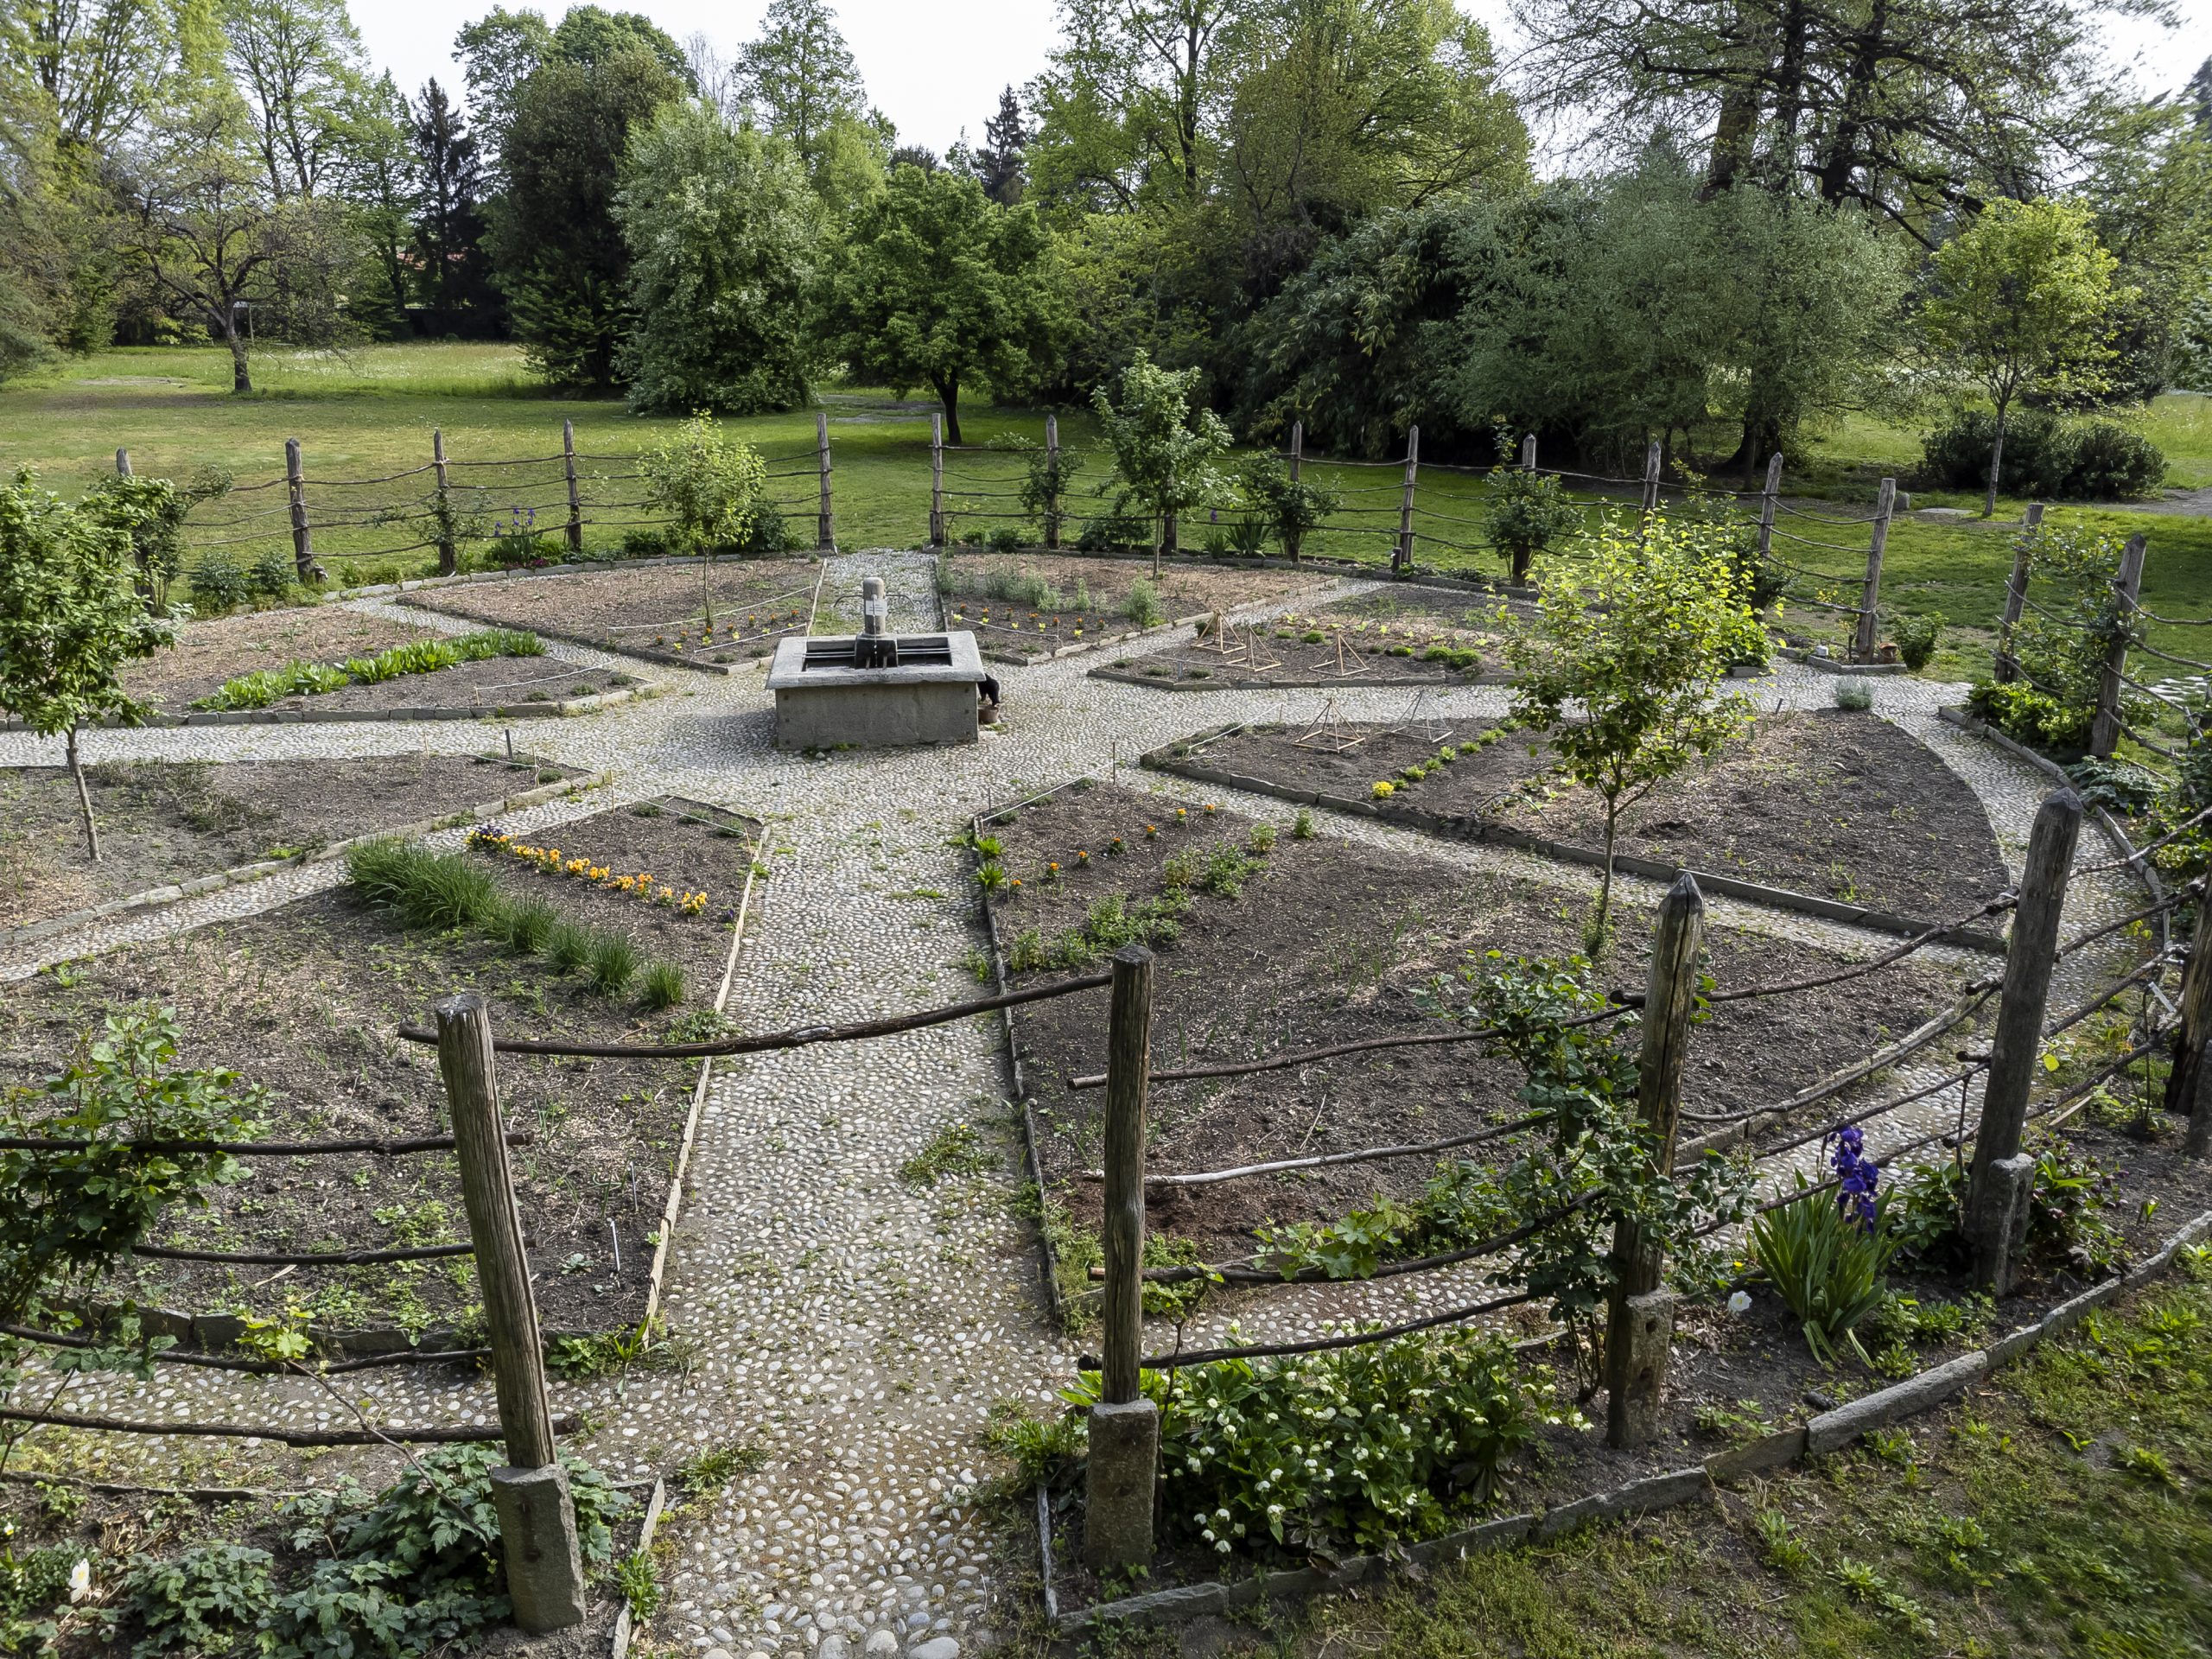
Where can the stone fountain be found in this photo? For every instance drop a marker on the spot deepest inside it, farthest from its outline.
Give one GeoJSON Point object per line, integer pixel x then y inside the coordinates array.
{"type": "Point", "coordinates": [876, 689]}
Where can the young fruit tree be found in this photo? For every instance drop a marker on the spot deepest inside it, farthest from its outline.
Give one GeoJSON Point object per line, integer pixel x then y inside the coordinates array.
{"type": "Point", "coordinates": [1620, 670]}
{"type": "Point", "coordinates": [710, 487]}
{"type": "Point", "coordinates": [1164, 452]}
{"type": "Point", "coordinates": [2023, 301]}
{"type": "Point", "coordinates": [1523, 514]}
{"type": "Point", "coordinates": [70, 618]}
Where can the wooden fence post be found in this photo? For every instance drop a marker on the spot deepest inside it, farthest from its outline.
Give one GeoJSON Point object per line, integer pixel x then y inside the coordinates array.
{"type": "Point", "coordinates": [1870, 596]}
{"type": "Point", "coordinates": [1769, 498]}
{"type": "Point", "coordinates": [2185, 1078]}
{"type": "Point", "coordinates": [2000, 1181]}
{"type": "Point", "coordinates": [937, 480]}
{"type": "Point", "coordinates": [1297, 461]}
{"type": "Point", "coordinates": [295, 487]}
{"type": "Point", "coordinates": [1527, 452]}
{"type": "Point", "coordinates": [1052, 482]}
{"type": "Point", "coordinates": [2104, 736]}
{"type": "Point", "coordinates": [1402, 556]}
{"type": "Point", "coordinates": [122, 463]}
{"type": "Point", "coordinates": [2006, 666]}
{"type": "Point", "coordinates": [1640, 1322]}
{"type": "Point", "coordinates": [575, 499]}
{"type": "Point", "coordinates": [1124, 1426]}
{"type": "Point", "coordinates": [1651, 457]}
{"type": "Point", "coordinates": [1170, 540]}
{"type": "Point", "coordinates": [537, 1522]}
{"type": "Point", "coordinates": [825, 524]}
{"type": "Point", "coordinates": [449, 555]}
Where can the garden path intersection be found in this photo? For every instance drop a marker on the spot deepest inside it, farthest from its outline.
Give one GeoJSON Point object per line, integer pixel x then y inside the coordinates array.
{"type": "Point", "coordinates": [855, 1331]}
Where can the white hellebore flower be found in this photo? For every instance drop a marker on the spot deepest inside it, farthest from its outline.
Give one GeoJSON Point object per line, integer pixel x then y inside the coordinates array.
{"type": "Point", "coordinates": [80, 1581]}
{"type": "Point", "coordinates": [1740, 1302]}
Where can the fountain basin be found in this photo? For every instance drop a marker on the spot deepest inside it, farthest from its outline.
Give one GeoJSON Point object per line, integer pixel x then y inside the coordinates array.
{"type": "Point", "coordinates": [823, 701]}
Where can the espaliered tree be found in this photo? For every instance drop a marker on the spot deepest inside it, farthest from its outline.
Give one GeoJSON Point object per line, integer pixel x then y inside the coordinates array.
{"type": "Point", "coordinates": [1619, 670]}
{"type": "Point", "coordinates": [70, 618]}
{"type": "Point", "coordinates": [940, 286]}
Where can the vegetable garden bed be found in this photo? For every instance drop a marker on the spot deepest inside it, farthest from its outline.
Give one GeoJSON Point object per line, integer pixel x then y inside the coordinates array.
{"type": "Point", "coordinates": [1029, 606]}
{"type": "Point", "coordinates": [302, 1001]}
{"type": "Point", "coordinates": [163, 824]}
{"type": "Point", "coordinates": [1845, 808]}
{"type": "Point", "coordinates": [1327, 942]}
{"type": "Point", "coordinates": [655, 611]}
{"type": "Point", "coordinates": [1404, 634]}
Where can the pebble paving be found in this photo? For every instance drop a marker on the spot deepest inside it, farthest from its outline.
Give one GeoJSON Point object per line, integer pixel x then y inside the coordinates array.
{"type": "Point", "coordinates": [853, 1332]}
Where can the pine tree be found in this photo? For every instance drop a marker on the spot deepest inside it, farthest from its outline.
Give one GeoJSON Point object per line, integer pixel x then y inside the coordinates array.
{"type": "Point", "coordinates": [998, 163]}
{"type": "Point", "coordinates": [449, 230]}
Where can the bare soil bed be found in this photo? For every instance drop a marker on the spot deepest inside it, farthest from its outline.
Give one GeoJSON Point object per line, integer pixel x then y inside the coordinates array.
{"type": "Point", "coordinates": [304, 1000]}
{"type": "Point", "coordinates": [656, 612]}
{"type": "Point", "coordinates": [165, 821]}
{"type": "Point", "coordinates": [1330, 942]}
{"type": "Point", "coordinates": [1392, 636]}
{"type": "Point", "coordinates": [1838, 804]}
{"type": "Point", "coordinates": [1026, 605]}
{"type": "Point", "coordinates": [207, 654]}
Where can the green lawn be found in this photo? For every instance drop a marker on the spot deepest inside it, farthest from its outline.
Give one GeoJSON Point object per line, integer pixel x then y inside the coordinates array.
{"type": "Point", "coordinates": [2065, 1508]}
{"type": "Point", "coordinates": [370, 413]}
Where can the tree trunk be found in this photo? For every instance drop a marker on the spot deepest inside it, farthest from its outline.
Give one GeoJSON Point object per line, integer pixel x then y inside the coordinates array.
{"type": "Point", "coordinates": [1594, 943]}
{"type": "Point", "coordinates": [1156, 539]}
{"type": "Point", "coordinates": [241, 377]}
{"type": "Point", "coordinates": [1996, 461]}
{"type": "Point", "coordinates": [84, 799]}
{"type": "Point", "coordinates": [948, 393]}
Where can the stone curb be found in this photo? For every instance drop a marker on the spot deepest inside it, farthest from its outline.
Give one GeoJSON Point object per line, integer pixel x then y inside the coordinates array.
{"type": "Point", "coordinates": [1836, 665]}
{"type": "Point", "coordinates": [635, 653]}
{"type": "Point", "coordinates": [1826, 1434]}
{"type": "Point", "coordinates": [619, 1647]}
{"type": "Point", "coordinates": [1400, 681]}
{"type": "Point", "coordinates": [238, 875]}
{"type": "Point", "coordinates": [1464, 827]}
{"type": "Point", "coordinates": [368, 716]}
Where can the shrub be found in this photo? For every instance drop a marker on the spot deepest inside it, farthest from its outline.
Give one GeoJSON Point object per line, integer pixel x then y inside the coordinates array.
{"type": "Point", "coordinates": [1005, 539]}
{"type": "Point", "coordinates": [1853, 692]}
{"type": "Point", "coordinates": [1288, 508]}
{"type": "Point", "coordinates": [1360, 1448]}
{"type": "Point", "coordinates": [612, 959]}
{"type": "Point", "coordinates": [1113, 531]}
{"type": "Point", "coordinates": [709, 484]}
{"type": "Point", "coordinates": [2044, 455]}
{"type": "Point", "coordinates": [768, 532]}
{"type": "Point", "coordinates": [218, 584]}
{"type": "Point", "coordinates": [1524, 513]}
{"type": "Point", "coordinates": [1142, 606]}
{"type": "Point", "coordinates": [644, 543]}
{"type": "Point", "coordinates": [1916, 638]}
{"type": "Point", "coordinates": [2032, 716]}
{"type": "Point", "coordinates": [2113, 462]}
{"type": "Point", "coordinates": [273, 574]}
{"type": "Point", "coordinates": [662, 984]}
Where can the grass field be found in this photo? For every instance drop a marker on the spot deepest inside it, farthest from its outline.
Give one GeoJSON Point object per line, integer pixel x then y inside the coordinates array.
{"type": "Point", "coordinates": [369, 414]}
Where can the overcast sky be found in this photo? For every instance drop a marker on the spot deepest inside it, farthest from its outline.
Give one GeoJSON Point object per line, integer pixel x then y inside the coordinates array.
{"type": "Point", "coordinates": [937, 69]}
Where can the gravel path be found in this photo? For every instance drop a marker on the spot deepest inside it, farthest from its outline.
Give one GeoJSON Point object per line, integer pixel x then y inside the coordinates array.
{"type": "Point", "coordinates": [853, 1333]}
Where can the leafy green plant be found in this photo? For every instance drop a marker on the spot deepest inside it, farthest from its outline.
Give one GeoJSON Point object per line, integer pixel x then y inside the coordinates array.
{"type": "Point", "coordinates": [217, 583]}
{"type": "Point", "coordinates": [151, 513]}
{"type": "Point", "coordinates": [1289, 509]}
{"type": "Point", "coordinates": [612, 962]}
{"type": "Point", "coordinates": [1142, 606]}
{"type": "Point", "coordinates": [1827, 1268]}
{"type": "Point", "coordinates": [1853, 693]}
{"type": "Point", "coordinates": [638, 1585]}
{"type": "Point", "coordinates": [302, 679]}
{"type": "Point", "coordinates": [1302, 827]}
{"type": "Point", "coordinates": [662, 984]}
{"type": "Point", "coordinates": [1165, 451]}
{"type": "Point", "coordinates": [1523, 513]}
{"type": "Point", "coordinates": [1045, 1450]}
{"type": "Point", "coordinates": [1360, 1448]}
{"type": "Point", "coordinates": [1916, 637]}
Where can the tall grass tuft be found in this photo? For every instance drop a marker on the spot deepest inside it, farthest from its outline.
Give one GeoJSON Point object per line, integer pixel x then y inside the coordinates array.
{"type": "Point", "coordinates": [423, 888]}
{"type": "Point", "coordinates": [528, 923]}
{"type": "Point", "coordinates": [613, 962]}
{"type": "Point", "coordinates": [662, 983]}
{"type": "Point", "coordinates": [567, 946]}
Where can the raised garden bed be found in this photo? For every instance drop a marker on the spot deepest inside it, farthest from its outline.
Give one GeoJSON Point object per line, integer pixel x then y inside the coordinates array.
{"type": "Point", "coordinates": [1743, 1397]}
{"type": "Point", "coordinates": [1329, 942]}
{"type": "Point", "coordinates": [1026, 607]}
{"type": "Point", "coordinates": [1844, 810]}
{"type": "Point", "coordinates": [169, 826]}
{"type": "Point", "coordinates": [303, 999]}
{"type": "Point", "coordinates": [1400, 635]}
{"type": "Point", "coordinates": [209, 655]}
{"type": "Point", "coordinates": [657, 613]}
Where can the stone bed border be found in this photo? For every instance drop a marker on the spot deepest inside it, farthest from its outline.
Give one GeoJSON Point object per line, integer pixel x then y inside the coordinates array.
{"type": "Point", "coordinates": [1830, 1432]}
{"type": "Point", "coordinates": [239, 874]}
{"type": "Point", "coordinates": [619, 1644]}
{"type": "Point", "coordinates": [313, 716]}
{"type": "Point", "coordinates": [213, 1332]}
{"type": "Point", "coordinates": [635, 653]}
{"type": "Point", "coordinates": [1463, 828]}
{"type": "Point", "coordinates": [1450, 681]}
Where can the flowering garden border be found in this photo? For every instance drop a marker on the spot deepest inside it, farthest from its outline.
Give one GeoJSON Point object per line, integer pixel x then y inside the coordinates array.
{"type": "Point", "coordinates": [1828, 1432]}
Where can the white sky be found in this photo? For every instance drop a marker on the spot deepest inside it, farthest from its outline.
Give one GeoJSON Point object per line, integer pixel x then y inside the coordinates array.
{"type": "Point", "coordinates": [936, 69]}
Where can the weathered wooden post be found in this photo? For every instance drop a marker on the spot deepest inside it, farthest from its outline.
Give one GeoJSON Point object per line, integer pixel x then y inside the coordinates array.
{"type": "Point", "coordinates": [1769, 498]}
{"type": "Point", "coordinates": [1402, 558]}
{"type": "Point", "coordinates": [825, 524]}
{"type": "Point", "coordinates": [122, 463]}
{"type": "Point", "coordinates": [2104, 736]}
{"type": "Point", "coordinates": [2186, 1093]}
{"type": "Point", "coordinates": [937, 480]}
{"type": "Point", "coordinates": [1527, 452]}
{"type": "Point", "coordinates": [2002, 1176]}
{"type": "Point", "coordinates": [296, 488]}
{"type": "Point", "coordinates": [1651, 456]}
{"type": "Point", "coordinates": [575, 497]}
{"type": "Point", "coordinates": [1052, 482]}
{"type": "Point", "coordinates": [449, 555]}
{"type": "Point", "coordinates": [1124, 1425]}
{"type": "Point", "coordinates": [2006, 666]}
{"type": "Point", "coordinates": [1297, 461]}
{"type": "Point", "coordinates": [1870, 595]}
{"type": "Point", "coordinates": [1640, 1323]}
{"type": "Point", "coordinates": [537, 1522]}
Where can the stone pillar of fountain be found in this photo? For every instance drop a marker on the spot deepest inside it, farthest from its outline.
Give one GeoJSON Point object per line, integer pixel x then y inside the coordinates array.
{"type": "Point", "coordinates": [876, 647]}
